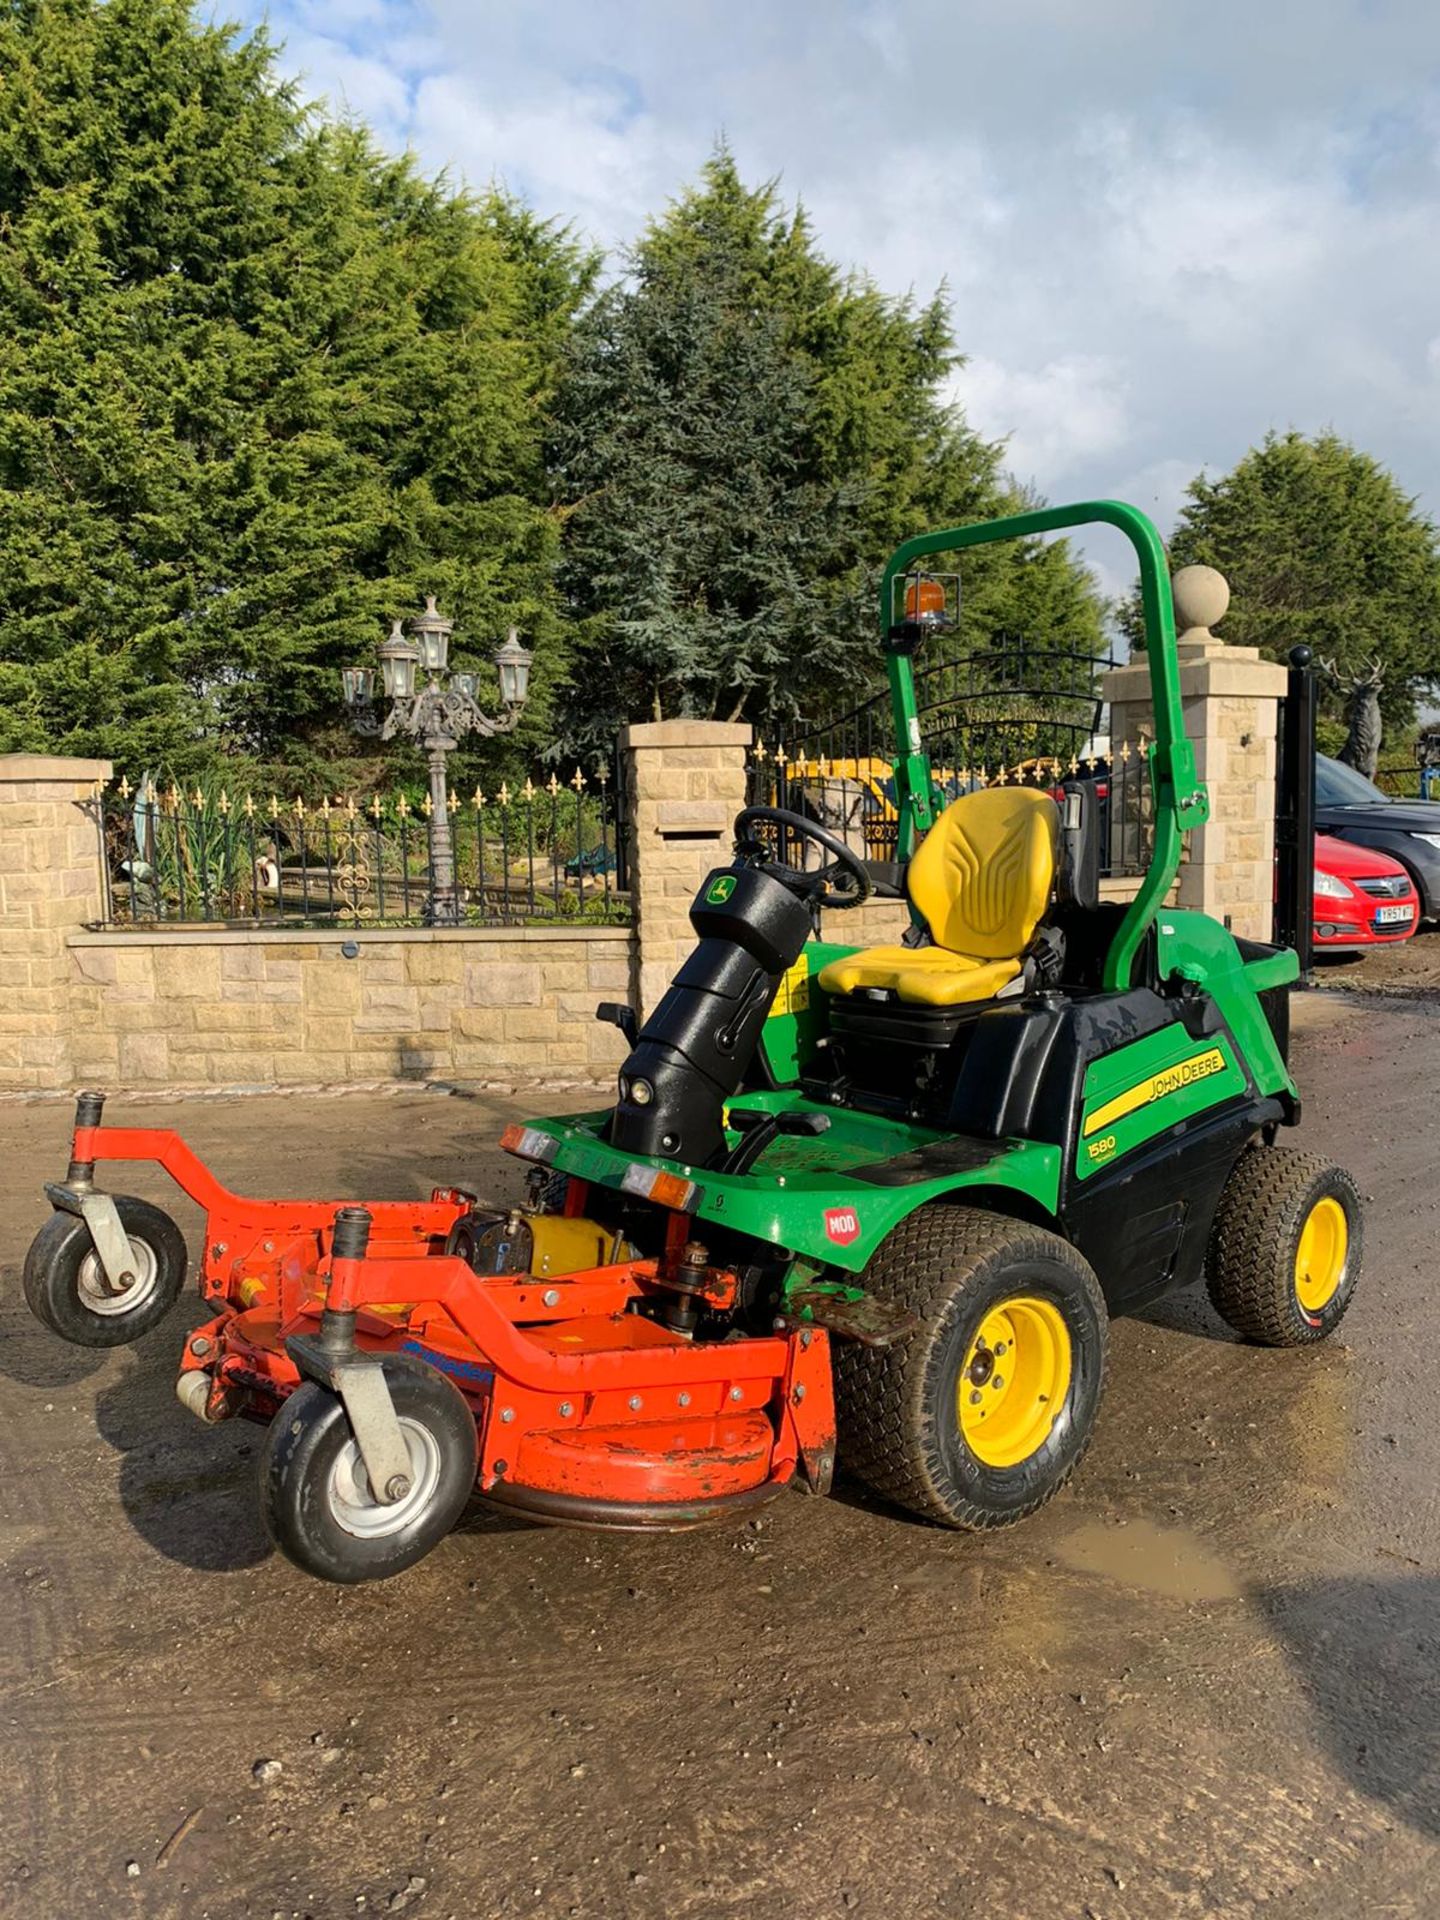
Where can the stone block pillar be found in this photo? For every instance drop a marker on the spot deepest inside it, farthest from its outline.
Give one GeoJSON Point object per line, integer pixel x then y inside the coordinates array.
{"type": "Point", "coordinates": [685, 783]}
{"type": "Point", "coordinates": [50, 884]}
{"type": "Point", "coordinates": [1230, 697]}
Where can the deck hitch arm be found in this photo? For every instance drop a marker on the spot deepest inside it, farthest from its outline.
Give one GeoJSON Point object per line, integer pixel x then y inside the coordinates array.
{"type": "Point", "coordinates": [332, 1358]}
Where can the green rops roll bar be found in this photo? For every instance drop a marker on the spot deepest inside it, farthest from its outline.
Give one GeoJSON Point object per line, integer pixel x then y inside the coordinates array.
{"type": "Point", "coordinates": [1181, 802]}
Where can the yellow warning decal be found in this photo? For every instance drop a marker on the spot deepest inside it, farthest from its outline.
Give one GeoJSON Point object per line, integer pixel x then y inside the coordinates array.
{"type": "Point", "coordinates": [793, 994]}
{"type": "Point", "coordinates": [1155, 1087]}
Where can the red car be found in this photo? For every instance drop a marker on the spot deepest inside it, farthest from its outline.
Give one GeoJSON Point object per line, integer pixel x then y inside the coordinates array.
{"type": "Point", "coordinates": [1362, 898]}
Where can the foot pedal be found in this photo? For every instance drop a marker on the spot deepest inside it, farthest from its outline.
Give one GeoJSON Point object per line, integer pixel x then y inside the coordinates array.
{"type": "Point", "coordinates": [874, 1323]}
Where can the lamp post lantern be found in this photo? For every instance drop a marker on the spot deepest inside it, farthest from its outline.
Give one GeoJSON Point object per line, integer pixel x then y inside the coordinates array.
{"type": "Point", "coordinates": [436, 709]}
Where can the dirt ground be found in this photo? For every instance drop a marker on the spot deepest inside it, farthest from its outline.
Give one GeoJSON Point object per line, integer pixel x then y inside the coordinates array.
{"type": "Point", "coordinates": [1206, 1680]}
{"type": "Point", "coordinates": [1408, 969]}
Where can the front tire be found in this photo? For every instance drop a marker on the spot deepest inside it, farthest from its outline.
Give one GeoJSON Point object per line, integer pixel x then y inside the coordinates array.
{"type": "Point", "coordinates": [982, 1414]}
{"type": "Point", "coordinates": [315, 1496]}
{"type": "Point", "coordinates": [1285, 1248]}
{"type": "Point", "coordinates": [66, 1288]}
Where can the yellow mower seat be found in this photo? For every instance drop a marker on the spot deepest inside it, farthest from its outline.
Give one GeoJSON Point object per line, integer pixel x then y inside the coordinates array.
{"type": "Point", "coordinates": [980, 879]}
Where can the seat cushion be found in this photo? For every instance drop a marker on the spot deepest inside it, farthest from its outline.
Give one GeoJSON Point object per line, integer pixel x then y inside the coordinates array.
{"type": "Point", "coordinates": [983, 874]}
{"type": "Point", "coordinates": [921, 976]}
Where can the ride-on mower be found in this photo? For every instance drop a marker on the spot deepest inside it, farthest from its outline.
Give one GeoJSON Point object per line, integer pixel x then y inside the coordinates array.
{"type": "Point", "coordinates": [892, 1192]}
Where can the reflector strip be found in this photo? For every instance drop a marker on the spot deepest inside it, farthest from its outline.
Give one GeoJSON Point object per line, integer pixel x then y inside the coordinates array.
{"type": "Point", "coordinates": [530, 1143]}
{"type": "Point", "coordinates": [665, 1189]}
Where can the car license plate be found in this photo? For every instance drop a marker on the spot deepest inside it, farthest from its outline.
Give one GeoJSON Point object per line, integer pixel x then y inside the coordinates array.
{"type": "Point", "coordinates": [1393, 916]}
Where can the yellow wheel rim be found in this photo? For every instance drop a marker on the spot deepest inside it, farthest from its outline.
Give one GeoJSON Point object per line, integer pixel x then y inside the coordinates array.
{"type": "Point", "coordinates": [1014, 1381]}
{"type": "Point", "coordinates": [1320, 1256]}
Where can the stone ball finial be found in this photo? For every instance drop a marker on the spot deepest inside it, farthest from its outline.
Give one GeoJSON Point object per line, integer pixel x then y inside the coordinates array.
{"type": "Point", "coordinates": [1201, 595]}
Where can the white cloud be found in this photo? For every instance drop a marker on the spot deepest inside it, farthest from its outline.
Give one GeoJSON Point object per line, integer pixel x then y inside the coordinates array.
{"type": "Point", "coordinates": [353, 84]}
{"type": "Point", "coordinates": [1159, 241]}
{"type": "Point", "coordinates": [1058, 418]}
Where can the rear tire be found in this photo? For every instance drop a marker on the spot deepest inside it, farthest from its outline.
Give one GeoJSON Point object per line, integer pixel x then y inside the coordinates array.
{"type": "Point", "coordinates": [1285, 1248]}
{"type": "Point", "coordinates": [65, 1285]}
{"type": "Point", "coordinates": [981, 1415]}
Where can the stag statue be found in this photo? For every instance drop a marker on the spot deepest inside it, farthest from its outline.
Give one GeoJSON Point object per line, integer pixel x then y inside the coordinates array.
{"type": "Point", "coordinates": [1362, 715]}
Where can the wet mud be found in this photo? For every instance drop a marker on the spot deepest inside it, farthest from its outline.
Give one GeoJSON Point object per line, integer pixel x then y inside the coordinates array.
{"type": "Point", "coordinates": [1206, 1680]}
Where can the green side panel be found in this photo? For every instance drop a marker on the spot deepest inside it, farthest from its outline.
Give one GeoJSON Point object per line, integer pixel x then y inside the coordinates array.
{"type": "Point", "coordinates": [1198, 948]}
{"type": "Point", "coordinates": [798, 1019]}
{"type": "Point", "coordinates": [802, 1195]}
{"type": "Point", "coordinates": [1143, 1089]}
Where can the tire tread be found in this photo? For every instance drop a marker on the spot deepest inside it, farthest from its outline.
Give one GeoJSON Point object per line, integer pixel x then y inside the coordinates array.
{"type": "Point", "coordinates": [1249, 1263]}
{"type": "Point", "coordinates": [887, 1433]}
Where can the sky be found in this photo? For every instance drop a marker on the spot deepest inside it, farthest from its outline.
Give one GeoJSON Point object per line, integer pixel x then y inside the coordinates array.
{"type": "Point", "coordinates": [1165, 227]}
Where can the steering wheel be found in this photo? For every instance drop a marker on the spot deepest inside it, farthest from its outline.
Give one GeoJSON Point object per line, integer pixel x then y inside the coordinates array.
{"type": "Point", "coordinates": [819, 888]}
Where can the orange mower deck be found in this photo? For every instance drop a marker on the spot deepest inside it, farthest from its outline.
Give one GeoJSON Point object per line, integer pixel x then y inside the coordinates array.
{"type": "Point", "coordinates": [587, 1412]}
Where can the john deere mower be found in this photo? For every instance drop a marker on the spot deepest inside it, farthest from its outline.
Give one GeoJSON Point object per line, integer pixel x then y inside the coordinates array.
{"type": "Point", "coordinates": [886, 1194]}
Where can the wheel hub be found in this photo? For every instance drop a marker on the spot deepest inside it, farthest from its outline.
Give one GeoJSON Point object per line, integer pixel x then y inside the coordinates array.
{"type": "Point", "coordinates": [1015, 1380]}
{"type": "Point", "coordinates": [100, 1297]}
{"type": "Point", "coordinates": [352, 1498]}
{"type": "Point", "coordinates": [1321, 1254]}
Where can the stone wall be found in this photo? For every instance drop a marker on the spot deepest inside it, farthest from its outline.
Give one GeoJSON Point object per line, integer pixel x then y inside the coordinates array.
{"type": "Point", "coordinates": [49, 884]}
{"type": "Point", "coordinates": [685, 785]}
{"type": "Point", "coordinates": [1230, 698]}
{"type": "Point", "coordinates": [218, 1009]}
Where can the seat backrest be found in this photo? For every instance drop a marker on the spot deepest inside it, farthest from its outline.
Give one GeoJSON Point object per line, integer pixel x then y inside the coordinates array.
{"type": "Point", "coordinates": [984, 873]}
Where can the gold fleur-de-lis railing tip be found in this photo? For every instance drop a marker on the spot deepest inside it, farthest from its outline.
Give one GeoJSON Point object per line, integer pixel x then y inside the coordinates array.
{"type": "Point", "coordinates": [274, 806]}
{"type": "Point", "coordinates": [376, 808]}
{"type": "Point", "coordinates": [477, 799]}
{"type": "Point", "coordinates": [452, 801]}
{"type": "Point", "coordinates": [350, 807]}
{"type": "Point", "coordinates": [504, 795]}
{"type": "Point", "coordinates": [402, 806]}
{"type": "Point", "coordinates": [223, 803]}
{"type": "Point", "coordinates": [578, 781]}
{"type": "Point", "coordinates": [125, 788]}
{"type": "Point", "coordinates": [529, 788]}
{"type": "Point", "coordinates": [248, 806]}
{"type": "Point", "coordinates": [427, 807]}
{"type": "Point", "coordinates": [1124, 751]}
{"type": "Point", "coordinates": [297, 807]}
{"type": "Point", "coordinates": [602, 774]}
{"type": "Point", "coordinates": [552, 786]}
{"type": "Point", "coordinates": [758, 755]}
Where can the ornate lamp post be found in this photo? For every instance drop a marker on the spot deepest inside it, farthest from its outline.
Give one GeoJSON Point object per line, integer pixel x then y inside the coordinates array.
{"type": "Point", "coordinates": [437, 710]}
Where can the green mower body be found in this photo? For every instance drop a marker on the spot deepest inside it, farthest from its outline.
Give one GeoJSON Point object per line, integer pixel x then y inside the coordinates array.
{"type": "Point", "coordinates": [1109, 1106]}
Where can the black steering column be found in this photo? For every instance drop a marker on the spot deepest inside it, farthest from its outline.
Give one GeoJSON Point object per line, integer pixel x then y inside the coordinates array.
{"type": "Point", "coordinates": [752, 919]}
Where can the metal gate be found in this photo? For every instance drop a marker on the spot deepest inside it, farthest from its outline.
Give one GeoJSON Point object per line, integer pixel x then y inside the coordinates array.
{"type": "Point", "coordinates": [1295, 813]}
{"type": "Point", "coordinates": [1015, 715]}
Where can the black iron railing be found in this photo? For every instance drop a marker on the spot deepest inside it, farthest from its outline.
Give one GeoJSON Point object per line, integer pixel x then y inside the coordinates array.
{"type": "Point", "coordinates": [549, 851]}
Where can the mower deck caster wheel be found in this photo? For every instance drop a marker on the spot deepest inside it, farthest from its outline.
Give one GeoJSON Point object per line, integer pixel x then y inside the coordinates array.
{"type": "Point", "coordinates": [316, 1499]}
{"type": "Point", "coordinates": [67, 1288]}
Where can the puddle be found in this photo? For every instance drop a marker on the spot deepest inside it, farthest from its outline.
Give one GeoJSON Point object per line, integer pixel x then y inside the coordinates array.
{"type": "Point", "coordinates": [1163, 1560]}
